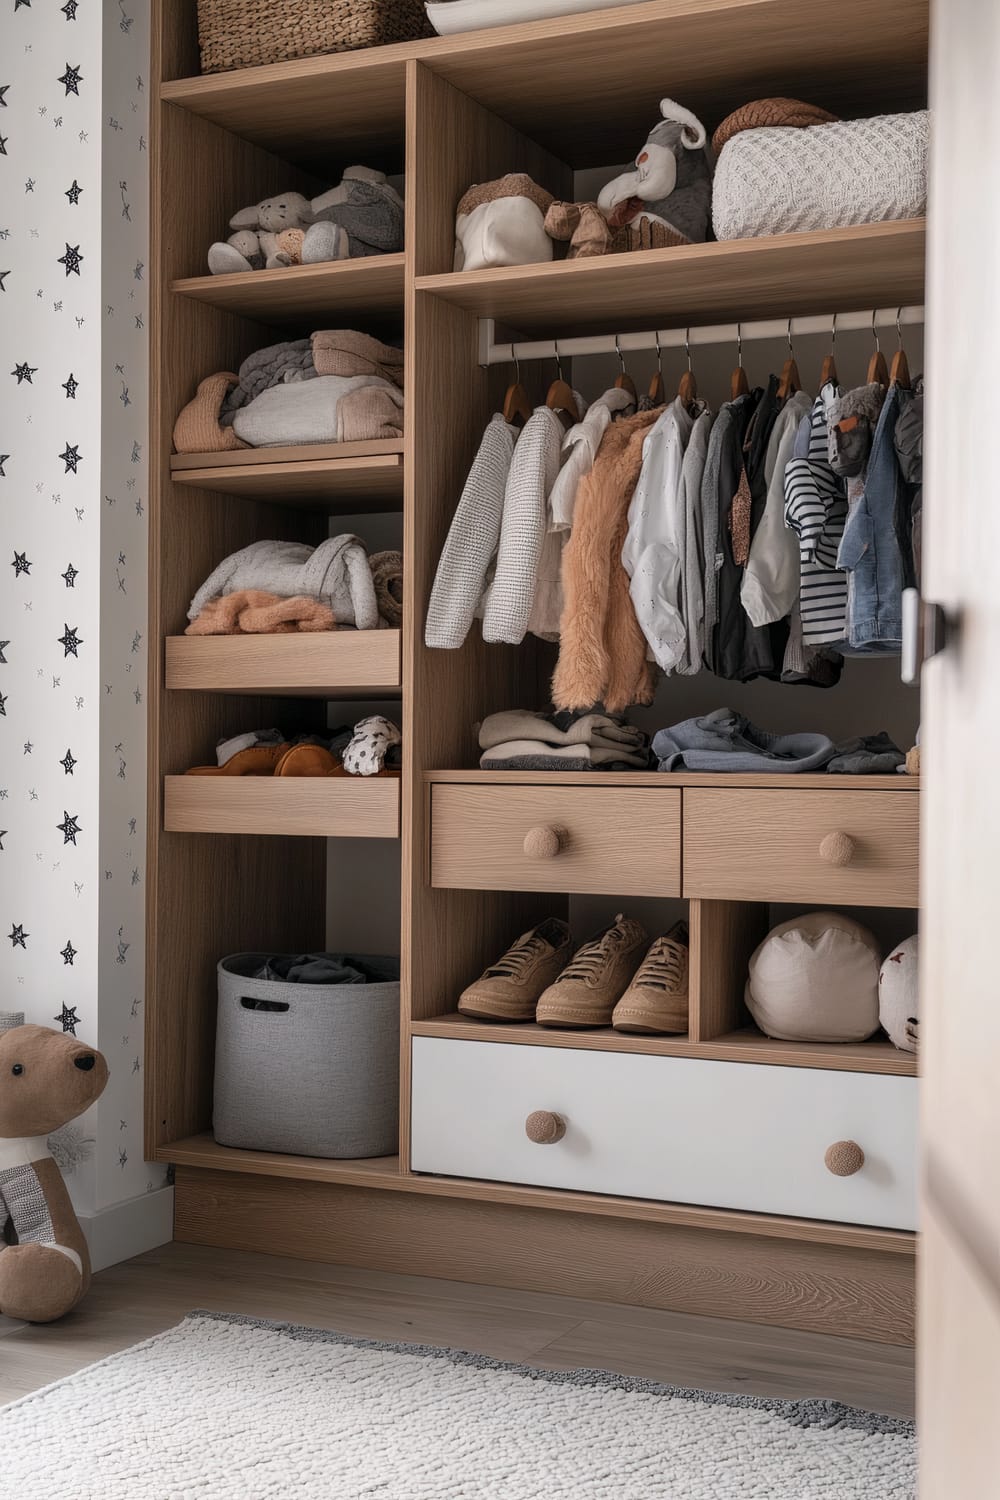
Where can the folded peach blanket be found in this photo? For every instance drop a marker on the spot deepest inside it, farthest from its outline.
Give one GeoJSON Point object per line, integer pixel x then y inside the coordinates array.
{"type": "Point", "coordinates": [255, 612]}
{"type": "Point", "coordinates": [344, 351]}
{"type": "Point", "coordinates": [198, 429]}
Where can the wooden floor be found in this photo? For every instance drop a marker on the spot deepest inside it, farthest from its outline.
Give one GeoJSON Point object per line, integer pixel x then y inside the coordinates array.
{"type": "Point", "coordinates": [144, 1296]}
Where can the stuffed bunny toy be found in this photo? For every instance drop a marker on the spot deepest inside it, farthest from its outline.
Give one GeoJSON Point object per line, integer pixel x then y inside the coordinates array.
{"type": "Point", "coordinates": [672, 180]}
{"type": "Point", "coordinates": [268, 234]}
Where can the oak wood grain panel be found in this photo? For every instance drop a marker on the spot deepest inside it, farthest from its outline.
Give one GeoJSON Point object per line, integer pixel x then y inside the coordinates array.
{"type": "Point", "coordinates": [364, 285]}
{"type": "Point", "coordinates": [612, 839]}
{"type": "Point", "coordinates": [336, 663]}
{"type": "Point", "coordinates": [345, 454]}
{"type": "Point", "coordinates": [367, 484]}
{"type": "Point", "coordinates": [202, 1151]}
{"type": "Point", "coordinates": [853, 1293]}
{"type": "Point", "coordinates": [361, 807]}
{"type": "Point", "coordinates": [744, 1045]}
{"type": "Point", "coordinates": [746, 845]}
{"type": "Point", "coordinates": [820, 782]}
{"type": "Point", "coordinates": [583, 88]}
{"type": "Point", "coordinates": [723, 936]}
{"type": "Point", "coordinates": [205, 895]}
{"type": "Point", "coordinates": [833, 270]}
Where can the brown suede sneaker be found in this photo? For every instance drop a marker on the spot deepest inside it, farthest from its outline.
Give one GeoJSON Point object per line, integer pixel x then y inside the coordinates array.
{"type": "Point", "coordinates": [510, 988]}
{"type": "Point", "coordinates": [657, 998]}
{"type": "Point", "coordinates": [256, 760]}
{"type": "Point", "coordinates": [593, 981]}
{"type": "Point", "coordinates": [306, 760]}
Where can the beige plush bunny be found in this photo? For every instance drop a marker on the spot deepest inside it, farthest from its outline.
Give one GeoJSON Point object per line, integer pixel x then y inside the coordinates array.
{"type": "Point", "coordinates": [261, 240]}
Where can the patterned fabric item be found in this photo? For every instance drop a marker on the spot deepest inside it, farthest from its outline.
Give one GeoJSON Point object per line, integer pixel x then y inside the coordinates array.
{"type": "Point", "coordinates": [22, 1200]}
{"type": "Point", "coordinates": [779, 181]}
{"type": "Point", "coordinates": [816, 509]}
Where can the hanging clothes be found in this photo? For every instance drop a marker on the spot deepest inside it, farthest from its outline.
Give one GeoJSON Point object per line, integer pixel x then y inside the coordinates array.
{"type": "Point", "coordinates": [723, 466]}
{"type": "Point", "coordinates": [602, 652]}
{"type": "Point", "coordinates": [510, 599]}
{"type": "Point", "coordinates": [770, 585]}
{"type": "Point", "coordinates": [472, 540]}
{"type": "Point", "coordinates": [870, 549]}
{"type": "Point", "coordinates": [815, 510]}
{"type": "Point", "coordinates": [909, 444]}
{"type": "Point", "coordinates": [693, 541]}
{"type": "Point", "coordinates": [653, 554]}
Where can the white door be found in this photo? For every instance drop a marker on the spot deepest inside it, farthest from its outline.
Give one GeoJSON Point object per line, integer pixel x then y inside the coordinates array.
{"type": "Point", "coordinates": [959, 1321]}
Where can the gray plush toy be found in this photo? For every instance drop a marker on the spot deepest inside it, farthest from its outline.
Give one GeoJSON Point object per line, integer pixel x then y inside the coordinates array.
{"type": "Point", "coordinates": [362, 216]}
{"type": "Point", "coordinates": [672, 180]}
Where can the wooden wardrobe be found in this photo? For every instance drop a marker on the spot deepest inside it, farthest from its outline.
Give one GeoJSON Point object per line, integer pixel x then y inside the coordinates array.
{"type": "Point", "coordinates": [699, 1182]}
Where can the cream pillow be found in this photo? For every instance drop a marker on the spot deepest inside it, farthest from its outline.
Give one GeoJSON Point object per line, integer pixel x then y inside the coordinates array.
{"type": "Point", "coordinates": [502, 223]}
{"type": "Point", "coordinates": [815, 979]}
{"type": "Point", "coordinates": [898, 995]}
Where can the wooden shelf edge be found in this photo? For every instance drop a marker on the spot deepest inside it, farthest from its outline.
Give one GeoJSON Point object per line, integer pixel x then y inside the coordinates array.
{"type": "Point", "coordinates": [203, 1152]}
{"type": "Point", "coordinates": [299, 806]}
{"type": "Point", "coordinates": [803, 782]}
{"type": "Point", "coordinates": [342, 455]}
{"type": "Point", "coordinates": [746, 1046]}
{"type": "Point", "coordinates": [333, 664]}
{"type": "Point", "coordinates": [383, 273]}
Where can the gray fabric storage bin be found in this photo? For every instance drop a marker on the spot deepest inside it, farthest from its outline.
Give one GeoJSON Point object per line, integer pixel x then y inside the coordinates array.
{"type": "Point", "coordinates": [316, 1076]}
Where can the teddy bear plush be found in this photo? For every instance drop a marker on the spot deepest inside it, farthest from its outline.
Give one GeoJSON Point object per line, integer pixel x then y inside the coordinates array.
{"type": "Point", "coordinates": [672, 181]}
{"type": "Point", "coordinates": [46, 1080]}
{"type": "Point", "coordinates": [363, 215]}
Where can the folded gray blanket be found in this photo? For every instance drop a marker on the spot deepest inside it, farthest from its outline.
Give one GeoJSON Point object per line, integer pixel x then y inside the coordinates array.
{"type": "Point", "coordinates": [596, 730]}
{"type": "Point", "coordinates": [275, 365]}
{"type": "Point", "coordinates": [535, 755]}
{"type": "Point", "coordinates": [336, 571]}
{"type": "Point", "coordinates": [727, 741]}
{"type": "Point", "coordinates": [326, 968]}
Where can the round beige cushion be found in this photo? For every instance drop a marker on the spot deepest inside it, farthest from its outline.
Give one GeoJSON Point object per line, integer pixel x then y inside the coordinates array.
{"type": "Point", "coordinates": [898, 993]}
{"type": "Point", "coordinates": [815, 979]}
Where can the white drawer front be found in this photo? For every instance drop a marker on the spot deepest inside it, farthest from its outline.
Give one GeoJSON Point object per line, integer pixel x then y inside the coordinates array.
{"type": "Point", "coordinates": [681, 1130]}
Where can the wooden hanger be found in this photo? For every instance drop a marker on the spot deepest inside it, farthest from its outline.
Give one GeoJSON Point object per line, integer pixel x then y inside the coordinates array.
{"type": "Point", "coordinates": [560, 398]}
{"type": "Point", "coordinates": [687, 386]}
{"type": "Point", "coordinates": [739, 385]}
{"type": "Point", "coordinates": [516, 405]}
{"type": "Point", "coordinates": [878, 370]}
{"type": "Point", "coordinates": [899, 373]}
{"type": "Point", "coordinates": [790, 381]}
{"type": "Point", "coordinates": [657, 392]}
{"type": "Point", "coordinates": [828, 374]}
{"type": "Point", "coordinates": [624, 381]}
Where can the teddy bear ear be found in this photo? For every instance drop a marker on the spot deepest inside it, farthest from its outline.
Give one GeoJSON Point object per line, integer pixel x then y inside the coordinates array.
{"type": "Point", "coordinates": [247, 218]}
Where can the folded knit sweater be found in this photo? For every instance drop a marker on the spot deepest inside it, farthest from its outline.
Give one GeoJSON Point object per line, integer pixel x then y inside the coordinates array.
{"type": "Point", "coordinates": [278, 363]}
{"type": "Point", "coordinates": [328, 409]}
{"type": "Point", "coordinates": [336, 572]}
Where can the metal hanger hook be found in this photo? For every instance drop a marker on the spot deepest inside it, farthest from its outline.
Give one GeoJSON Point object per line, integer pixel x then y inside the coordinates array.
{"type": "Point", "coordinates": [739, 345]}
{"type": "Point", "coordinates": [833, 332]}
{"type": "Point", "coordinates": [899, 331]}
{"type": "Point", "coordinates": [878, 346]}
{"type": "Point", "coordinates": [687, 345]}
{"type": "Point", "coordinates": [659, 351]}
{"type": "Point", "coordinates": [517, 363]}
{"type": "Point", "coordinates": [621, 357]}
{"type": "Point", "coordinates": [788, 334]}
{"type": "Point", "coordinates": [555, 350]}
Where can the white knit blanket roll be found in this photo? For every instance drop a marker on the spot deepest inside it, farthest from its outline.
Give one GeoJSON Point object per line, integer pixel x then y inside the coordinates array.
{"type": "Point", "coordinates": [781, 180]}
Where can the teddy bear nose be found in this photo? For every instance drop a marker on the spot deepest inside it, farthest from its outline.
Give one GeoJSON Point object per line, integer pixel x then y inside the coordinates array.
{"type": "Point", "coordinates": [84, 1063]}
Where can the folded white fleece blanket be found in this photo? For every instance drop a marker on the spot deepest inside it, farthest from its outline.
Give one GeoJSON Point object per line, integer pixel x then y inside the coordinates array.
{"type": "Point", "coordinates": [329, 409]}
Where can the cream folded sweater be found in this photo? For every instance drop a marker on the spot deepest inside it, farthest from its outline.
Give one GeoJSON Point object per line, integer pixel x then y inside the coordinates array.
{"type": "Point", "coordinates": [329, 409]}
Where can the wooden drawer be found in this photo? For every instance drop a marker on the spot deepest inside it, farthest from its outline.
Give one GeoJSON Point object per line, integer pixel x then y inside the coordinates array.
{"type": "Point", "coordinates": [359, 807]}
{"type": "Point", "coordinates": [757, 845]}
{"type": "Point", "coordinates": [680, 1130]}
{"type": "Point", "coordinates": [616, 840]}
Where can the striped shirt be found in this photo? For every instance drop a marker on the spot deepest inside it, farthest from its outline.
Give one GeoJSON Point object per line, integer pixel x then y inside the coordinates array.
{"type": "Point", "coordinates": [816, 509]}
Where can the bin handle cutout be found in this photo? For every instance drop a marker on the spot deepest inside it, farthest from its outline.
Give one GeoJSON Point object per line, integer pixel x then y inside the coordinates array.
{"type": "Point", "coordinates": [250, 1002]}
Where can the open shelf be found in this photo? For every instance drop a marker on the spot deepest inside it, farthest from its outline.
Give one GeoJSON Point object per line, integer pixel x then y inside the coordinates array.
{"type": "Point", "coordinates": [202, 1151]}
{"type": "Point", "coordinates": [329, 664]}
{"type": "Point", "coordinates": [747, 1045]}
{"type": "Point", "coordinates": [776, 276]}
{"type": "Point", "coordinates": [334, 476]}
{"type": "Point", "coordinates": [367, 284]}
{"type": "Point", "coordinates": [585, 93]}
{"type": "Point", "coordinates": [362, 807]}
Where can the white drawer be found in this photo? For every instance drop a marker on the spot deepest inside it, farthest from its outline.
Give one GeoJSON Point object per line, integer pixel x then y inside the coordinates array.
{"type": "Point", "coordinates": [680, 1130]}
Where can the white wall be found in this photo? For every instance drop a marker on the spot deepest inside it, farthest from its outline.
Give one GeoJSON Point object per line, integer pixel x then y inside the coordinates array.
{"type": "Point", "coordinates": [73, 724]}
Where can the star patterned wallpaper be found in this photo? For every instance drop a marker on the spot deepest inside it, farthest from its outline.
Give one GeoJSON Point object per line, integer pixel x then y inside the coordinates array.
{"type": "Point", "coordinates": [73, 547]}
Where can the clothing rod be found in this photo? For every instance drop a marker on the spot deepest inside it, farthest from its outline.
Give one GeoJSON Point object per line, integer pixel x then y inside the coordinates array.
{"type": "Point", "coordinates": [493, 353]}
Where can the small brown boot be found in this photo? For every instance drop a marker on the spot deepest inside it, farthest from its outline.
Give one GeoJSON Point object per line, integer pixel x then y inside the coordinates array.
{"type": "Point", "coordinates": [510, 988]}
{"type": "Point", "coordinates": [306, 760]}
{"type": "Point", "coordinates": [255, 760]}
{"type": "Point", "coordinates": [657, 998]}
{"type": "Point", "coordinates": [586, 992]}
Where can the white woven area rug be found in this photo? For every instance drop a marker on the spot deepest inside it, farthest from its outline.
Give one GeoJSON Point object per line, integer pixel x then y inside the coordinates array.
{"type": "Point", "coordinates": [228, 1408]}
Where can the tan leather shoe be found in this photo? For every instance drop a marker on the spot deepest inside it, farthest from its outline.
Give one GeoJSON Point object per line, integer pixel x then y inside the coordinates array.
{"type": "Point", "coordinates": [510, 988]}
{"type": "Point", "coordinates": [256, 760]}
{"type": "Point", "coordinates": [657, 998]}
{"type": "Point", "coordinates": [306, 760]}
{"type": "Point", "coordinates": [586, 992]}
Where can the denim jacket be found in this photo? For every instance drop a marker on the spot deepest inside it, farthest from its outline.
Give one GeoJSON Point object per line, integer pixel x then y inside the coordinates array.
{"type": "Point", "coordinates": [870, 551]}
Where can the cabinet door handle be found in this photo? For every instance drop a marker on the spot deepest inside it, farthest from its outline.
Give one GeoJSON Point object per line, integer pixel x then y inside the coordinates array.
{"type": "Point", "coordinates": [545, 841]}
{"type": "Point", "coordinates": [844, 1158]}
{"type": "Point", "coordinates": [544, 1128]}
{"type": "Point", "coordinates": [837, 849]}
{"type": "Point", "coordinates": [927, 629]}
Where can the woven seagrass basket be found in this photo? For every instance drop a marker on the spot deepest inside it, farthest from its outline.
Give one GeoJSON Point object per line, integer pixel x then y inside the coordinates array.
{"type": "Point", "coordinates": [247, 33]}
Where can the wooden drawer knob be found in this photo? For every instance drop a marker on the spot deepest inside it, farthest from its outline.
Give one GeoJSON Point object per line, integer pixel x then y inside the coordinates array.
{"type": "Point", "coordinates": [544, 842]}
{"type": "Point", "coordinates": [544, 1128]}
{"type": "Point", "coordinates": [837, 849]}
{"type": "Point", "coordinates": [844, 1158]}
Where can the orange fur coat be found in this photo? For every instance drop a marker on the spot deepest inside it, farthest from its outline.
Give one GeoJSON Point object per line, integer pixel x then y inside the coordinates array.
{"type": "Point", "coordinates": [602, 651]}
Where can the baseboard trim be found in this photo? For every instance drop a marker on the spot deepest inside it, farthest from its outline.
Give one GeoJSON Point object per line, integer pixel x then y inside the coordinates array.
{"type": "Point", "coordinates": [130, 1228]}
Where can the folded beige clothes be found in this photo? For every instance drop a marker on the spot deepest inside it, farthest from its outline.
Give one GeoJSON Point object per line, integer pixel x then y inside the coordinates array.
{"type": "Point", "coordinates": [581, 757]}
{"type": "Point", "coordinates": [387, 576]}
{"type": "Point", "coordinates": [256, 612]}
{"type": "Point", "coordinates": [329, 409]}
{"type": "Point", "coordinates": [595, 729]}
{"type": "Point", "coordinates": [198, 429]}
{"type": "Point", "coordinates": [342, 351]}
